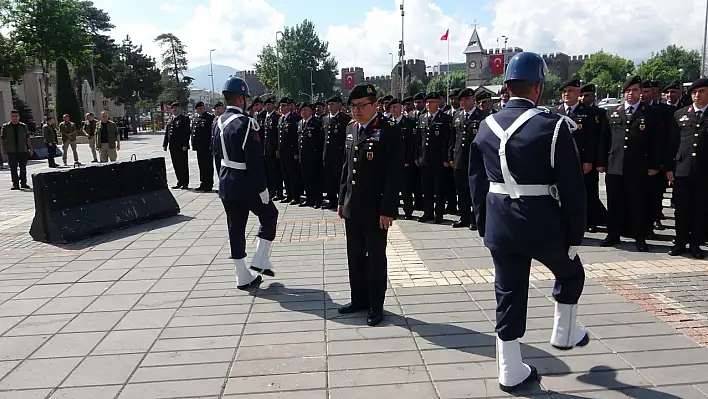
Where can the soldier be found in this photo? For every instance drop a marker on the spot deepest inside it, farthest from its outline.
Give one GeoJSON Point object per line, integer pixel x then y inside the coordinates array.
{"type": "Point", "coordinates": [319, 109]}
{"type": "Point", "coordinates": [454, 102]}
{"type": "Point", "coordinates": [335, 127]}
{"type": "Point", "coordinates": [68, 131]}
{"type": "Point", "coordinates": [90, 130]}
{"type": "Point", "coordinates": [407, 106]}
{"type": "Point", "coordinates": [597, 213]}
{"type": "Point", "coordinates": [527, 189]}
{"type": "Point", "coordinates": [368, 200]}
{"type": "Point", "coordinates": [419, 105]}
{"type": "Point", "coordinates": [288, 151]}
{"type": "Point", "coordinates": [177, 140]}
{"type": "Point", "coordinates": [687, 170]}
{"type": "Point", "coordinates": [672, 94]}
{"type": "Point", "coordinates": [629, 154]}
{"type": "Point", "coordinates": [503, 98]}
{"type": "Point", "coordinates": [201, 143]}
{"type": "Point", "coordinates": [242, 184]}
{"type": "Point", "coordinates": [16, 145]}
{"type": "Point", "coordinates": [434, 129]}
{"type": "Point", "coordinates": [312, 138]}
{"type": "Point", "coordinates": [586, 137]}
{"type": "Point", "coordinates": [410, 142]}
{"type": "Point", "coordinates": [270, 129]}
{"type": "Point", "coordinates": [49, 131]}
{"type": "Point", "coordinates": [466, 124]}
{"type": "Point", "coordinates": [259, 114]}
{"type": "Point", "coordinates": [658, 183]}
{"type": "Point", "coordinates": [108, 139]}
{"type": "Point", "coordinates": [484, 101]}
{"type": "Point", "coordinates": [218, 111]}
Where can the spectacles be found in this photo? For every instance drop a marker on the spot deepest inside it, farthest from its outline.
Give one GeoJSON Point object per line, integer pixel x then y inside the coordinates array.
{"type": "Point", "coordinates": [361, 105]}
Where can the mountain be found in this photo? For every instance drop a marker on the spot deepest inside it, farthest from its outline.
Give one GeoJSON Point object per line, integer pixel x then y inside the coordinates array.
{"type": "Point", "coordinates": [202, 80]}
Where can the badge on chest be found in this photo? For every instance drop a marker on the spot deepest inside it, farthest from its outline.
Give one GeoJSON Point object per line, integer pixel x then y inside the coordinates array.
{"type": "Point", "coordinates": [642, 126]}
{"type": "Point", "coordinates": [370, 156]}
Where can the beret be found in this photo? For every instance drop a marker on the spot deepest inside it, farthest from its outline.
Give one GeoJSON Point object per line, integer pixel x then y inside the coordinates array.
{"type": "Point", "coordinates": [175, 104]}
{"type": "Point", "coordinates": [674, 85]}
{"type": "Point", "coordinates": [334, 99]}
{"type": "Point", "coordinates": [587, 88]}
{"type": "Point", "coordinates": [698, 84]}
{"type": "Point", "coordinates": [362, 90]}
{"type": "Point", "coordinates": [419, 96]}
{"type": "Point", "coordinates": [407, 100]}
{"type": "Point", "coordinates": [454, 92]}
{"type": "Point", "coordinates": [466, 92]}
{"type": "Point", "coordinates": [199, 104]}
{"type": "Point", "coordinates": [285, 100]}
{"type": "Point", "coordinates": [634, 80]}
{"type": "Point", "coordinates": [392, 102]}
{"type": "Point", "coordinates": [432, 96]}
{"type": "Point", "coordinates": [570, 83]}
{"type": "Point", "coordinates": [219, 104]}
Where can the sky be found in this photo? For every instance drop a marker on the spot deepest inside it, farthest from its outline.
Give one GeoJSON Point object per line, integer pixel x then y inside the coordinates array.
{"type": "Point", "coordinates": [364, 32]}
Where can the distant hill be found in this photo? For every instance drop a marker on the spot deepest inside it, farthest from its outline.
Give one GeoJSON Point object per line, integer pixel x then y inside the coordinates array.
{"type": "Point", "coordinates": [202, 80]}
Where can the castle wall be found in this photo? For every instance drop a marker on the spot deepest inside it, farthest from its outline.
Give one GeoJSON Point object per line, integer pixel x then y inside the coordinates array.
{"type": "Point", "coordinates": [254, 84]}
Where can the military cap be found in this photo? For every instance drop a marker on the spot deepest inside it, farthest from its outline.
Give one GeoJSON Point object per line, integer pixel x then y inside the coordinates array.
{"type": "Point", "coordinates": [250, 107]}
{"type": "Point", "coordinates": [257, 100]}
{"type": "Point", "coordinates": [381, 99]}
{"type": "Point", "coordinates": [432, 96]}
{"type": "Point", "coordinates": [319, 104]}
{"type": "Point", "coordinates": [633, 80]}
{"type": "Point", "coordinates": [647, 83]}
{"type": "Point", "coordinates": [334, 99]}
{"type": "Point", "coordinates": [285, 100]}
{"type": "Point", "coordinates": [407, 100]}
{"type": "Point", "coordinates": [698, 84]}
{"type": "Point", "coordinates": [268, 100]}
{"type": "Point", "coordinates": [199, 104]}
{"type": "Point", "coordinates": [175, 104]}
{"type": "Point", "coordinates": [587, 88]}
{"type": "Point", "coordinates": [419, 96]}
{"type": "Point", "coordinates": [305, 104]}
{"type": "Point", "coordinates": [570, 83]}
{"type": "Point", "coordinates": [466, 92]}
{"type": "Point", "coordinates": [454, 93]}
{"type": "Point", "coordinates": [301, 104]}
{"type": "Point", "coordinates": [503, 90]}
{"type": "Point", "coordinates": [392, 102]}
{"type": "Point", "coordinates": [483, 96]}
{"type": "Point", "coordinates": [219, 104]}
{"type": "Point", "coordinates": [674, 85]}
{"type": "Point", "coordinates": [362, 90]}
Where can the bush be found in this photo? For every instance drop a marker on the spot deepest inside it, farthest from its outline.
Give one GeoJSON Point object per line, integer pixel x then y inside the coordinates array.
{"type": "Point", "coordinates": [67, 102]}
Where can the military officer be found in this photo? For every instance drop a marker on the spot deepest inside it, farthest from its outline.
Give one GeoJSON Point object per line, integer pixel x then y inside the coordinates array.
{"type": "Point", "coordinates": [312, 139]}
{"type": "Point", "coordinates": [597, 213]}
{"type": "Point", "coordinates": [177, 140]}
{"type": "Point", "coordinates": [288, 153]}
{"type": "Point", "coordinates": [259, 113]}
{"type": "Point", "coordinates": [242, 184]}
{"type": "Point", "coordinates": [90, 130]}
{"type": "Point", "coordinates": [503, 98]}
{"type": "Point", "coordinates": [419, 105]}
{"type": "Point", "coordinates": [335, 127]}
{"type": "Point", "coordinates": [466, 124]}
{"type": "Point", "coordinates": [527, 189]}
{"type": "Point", "coordinates": [68, 131]}
{"type": "Point", "coordinates": [49, 131]}
{"type": "Point", "coordinates": [484, 101]}
{"type": "Point", "coordinates": [413, 171]}
{"type": "Point", "coordinates": [368, 200]}
{"type": "Point", "coordinates": [319, 109]}
{"type": "Point", "coordinates": [270, 129]}
{"type": "Point", "coordinates": [433, 129]}
{"type": "Point", "coordinates": [16, 144]}
{"type": "Point", "coordinates": [407, 104]}
{"type": "Point", "coordinates": [201, 143]}
{"type": "Point", "coordinates": [218, 111]}
{"type": "Point", "coordinates": [449, 175]}
{"type": "Point", "coordinates": [410, 140]}
{"type": "Point", "coordinates": [454, 102]}
{"type": "Point", "coordinates": [629, 154]}
{"type": "Point", "coordinates": [687, 170]}
{"type": "Point", "coordinates": [672, 94]}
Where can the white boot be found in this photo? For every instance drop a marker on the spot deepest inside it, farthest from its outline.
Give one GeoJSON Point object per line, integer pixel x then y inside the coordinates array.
{"type": "Point", "coordinates": [512, 370]}
{"type": "Point", "coordinates": [244, 277]}
{"type": "Point", "coordinates": [261, 262]}
{"type": "Point", "coordinates": [567, 334]}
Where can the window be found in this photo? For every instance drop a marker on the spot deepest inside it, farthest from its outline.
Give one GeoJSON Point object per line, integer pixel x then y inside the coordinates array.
{"type": "Point", "coordinates": [105, 103]}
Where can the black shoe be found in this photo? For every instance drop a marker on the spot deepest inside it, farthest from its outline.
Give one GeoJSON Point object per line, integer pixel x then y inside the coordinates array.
{"type": "Point", "coordinates": [425, 218]}
{"type": "Point", "coordinates": [408, 217]}
{"type": "Point", "coordinates": [304, 204]}
{"type": "Point", "coordinates": [533, 377]}
{"type": "Point", "coordinates": [473, 226]}
{"type": "Point", "coordinates": [460, 223]}
{"type": "Point", "coordinates": [318, 206]}
{"type": "Point", "coordinates": [285, 200]}
{"type": "Point", "coordinates": [330, 207]}
{"type": "Point", "coordinates": [697, 253]}
{"type": "Point", "coordinates": [438, 220]}
{"type": "Point", "coordinates": [641, 246]}
{"type": "Point", "coordinates": [265, 272]}
{"type": "Point", "coordinates": [351, 308]}
{"type": "Point", "coordinates": [255, 283]}
{"type": "Point", "coordinates": [15, 188]}
{"type": "Point", "coordinates": [374, 318]}
{"type": "Point", "coordinates": [185, 187]}
{"type": "Point", "coordinates": [94, 161]}
{"type": "Point", "coordinates": [677, 250]}
{"type": "Point", "coordinates": [659, 226]}
{"type": "Point", "coordinates": [592, 229]}
{"type": "Point", "coordinates": [583, 342]}
{"type": "Point", "coordinates": [207, 190]}
{"type": "Point", "coordinates": [451, 211]}
{"type": "Point", "coordinates": [200, 188]}
{"type": "Point", "coordinates": [53, 166]}
{"type": "Point", "coordinates": [25, 186]}
{"type": "Point", "coordinates": [294, 202]}
{"type": "Point", "coordinates": [175, 187]}
{"type": "Point", "coordinates": [610, 242]}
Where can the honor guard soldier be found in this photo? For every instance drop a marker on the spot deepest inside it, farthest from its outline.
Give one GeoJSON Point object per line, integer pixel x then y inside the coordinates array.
{"type": "Point", "coordinates": [242, 184]}
{"type": "Point", "coordinates": [201, 143]}
{"type": "Point", "coordinates": [587, 135]}
{"type": "Point", "coordinates": [368, 200]}
{"type": "Point", "coordinates": [270, 129]}
{"type": "Point", "coordinates": [312, 140]}
{"type": "Point", "coordinates": [410, 142]}
{"type": "Point", "coordinates": [218, 111]}
{"type": "Point", "coordinates": [466, 125]}
{"type": "Point", "coordinates": [597, 213]}
{"type": "Point", "coordinates": [177, 140]}
{"type": "Point", "coordinates": [434, 130]}
{"type": "Point", "coordinates": [688, 171]}
{"type": "Point", "coordinates": [527, 189]}
{"type": "Point", "coordinates": [288, 151]}
{"type": "Point", "coordinates": [335, 128]}
{"type": "Point", "coordinates": [630, 153]}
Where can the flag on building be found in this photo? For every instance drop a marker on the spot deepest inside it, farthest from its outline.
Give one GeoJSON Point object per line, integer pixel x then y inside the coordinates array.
{"type": "Point", "coordinates": [496, 64]}
{"type": "Point", "coordinates": [349, 80]}
{"type": "Point", "coordinates": [444, 37]}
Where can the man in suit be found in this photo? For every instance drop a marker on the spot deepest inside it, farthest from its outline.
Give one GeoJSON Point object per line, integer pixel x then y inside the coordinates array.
{"type": "Point", "coordinates": [288, 152]}
{"type": "Point", "coordinates": [312, 139]}
{"type": "Point", "coordinates": [410, 142]}
{"type": "Point", "coordinates": [177, 140]}
{"type": "Point", "coordinates": [335, 127]}
{"type": "Point", "coordinates": [527, 189]}
{"type": "Point", "coordinates": [597, 213]}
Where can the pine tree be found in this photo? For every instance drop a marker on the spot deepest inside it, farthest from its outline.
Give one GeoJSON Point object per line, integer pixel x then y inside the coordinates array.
{"type": "Point", "coordinates": [67, 102]}
{"type": "Point", "coordinates": [26, 116]}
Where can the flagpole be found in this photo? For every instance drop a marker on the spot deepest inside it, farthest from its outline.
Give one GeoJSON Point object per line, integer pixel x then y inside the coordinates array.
{"type": "Point", "coordinates": [448, 66]}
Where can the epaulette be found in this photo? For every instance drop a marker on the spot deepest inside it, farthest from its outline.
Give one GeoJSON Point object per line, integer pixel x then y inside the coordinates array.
{"type": "Point", "coordinates": [351, 122]}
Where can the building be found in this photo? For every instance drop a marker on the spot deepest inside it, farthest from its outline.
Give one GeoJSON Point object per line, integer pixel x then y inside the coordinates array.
{"type": "Point", "coordinates": [99, 103]}
{"type": "Point", "coordinates": [254, 84]}
{"type": "Point", "coordinates": [31, 91]}
{"type": "Point", "coordinates": [5, 100]}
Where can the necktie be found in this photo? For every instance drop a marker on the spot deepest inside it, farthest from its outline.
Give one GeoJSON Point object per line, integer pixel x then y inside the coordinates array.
{"type": "Point", "coordinates": [630, 109]}
{"type": "Point", "coordinates": [570, 112]}
{"type": "Point", "coordinates": [699, 114]}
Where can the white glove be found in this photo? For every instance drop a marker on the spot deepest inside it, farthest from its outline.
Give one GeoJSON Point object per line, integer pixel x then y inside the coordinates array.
{"type": "Point", "coordinates": [265, 197]}
{"type": "Point", "coordinates": [573, 252]}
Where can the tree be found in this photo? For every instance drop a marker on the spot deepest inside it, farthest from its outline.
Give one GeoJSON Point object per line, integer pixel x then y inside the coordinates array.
{"type": "Point", "coordinates": [415, 87]}
{"type": "Point", "coordinates": [26, 116]}
{"type": "Point", "coordinates": [550, 88]}
{"type": "Point", "coordinates": [672, 63]}
{"type": "Point", "coordinates": [497, 80]}
{"type": "Point", "coordinates": [67, 103]}
{"type": "Point", "coordinates": [457, 79]}
{"type": "Point", "coordinates": [174, 63]}
{"type": "Point", "coordinates": [606, 71]}
{"type": "Point", "coordinates": [300, 53]}
{"type": "Point", "coordinates": [13, 61]}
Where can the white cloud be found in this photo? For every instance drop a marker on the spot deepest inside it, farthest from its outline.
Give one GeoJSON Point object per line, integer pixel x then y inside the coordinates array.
{"type": "Point", "coordinates": [167, 7]}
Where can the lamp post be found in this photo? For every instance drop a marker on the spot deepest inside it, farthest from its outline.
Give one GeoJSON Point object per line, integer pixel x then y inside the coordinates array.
{"type": "Point", "coordinates": [211, 74]}
{"type": "Point", "coordinates": [402, 54]}
{"type": "Point", "coordinates": [506, 39]}
{"type": "Point", "coordinates": [277, 58]}
{"type": "Point", "coordinates": [705, 39]}
{"type": "Point", "coordinates": [391, 54]}
{"type": "Point", "coordinates": [312, 85]}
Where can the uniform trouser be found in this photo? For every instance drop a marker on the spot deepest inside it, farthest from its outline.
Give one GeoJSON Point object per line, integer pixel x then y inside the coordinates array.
{"type": "Point", "coordinates": [106, 153]}
{"type": "Point", "coordinates": [450, 189]}
{"type": "Point", "coordinates": [92, 146]}
{"type": "Point", "coordinates": [626, 195]}
{"type": "Point", "coordinates": [217, 166]}
{"type": "Point", "coordinates": [312, 179]}
{"type": "Point", "coordinates": [292, 177]}
{"type": "Point", "coordinates": [596, 212]}
{"type": "Point", "coordinates": [65, 146]}
{"type": "Point", "coordinates": [462, 183]}
{"type": "Point", "coordinates": [275, 175]}
{"type": "Point", "coordinates": [432, 178]}
{"type": "Point", "coordinates": [333, 174]}
{"type": "Point", "coordinates": [657, 188]}
{"type": "Point", "coordinates": [18, 160]}
{"type": "Point", "coordinates": [411, 183]}
{"type": "Point", "coordinates": [237, 216]}
{"type": "Point", "coordinates": [511, 287]}
{"type": "Point", "coordinates": [691, 199]}
{"type": "Point", "coordinates": [180, 163]}
{"type": "Point", "coordinates": [51, 154]}
{"type": "Point", "coordinates": [206, 169]}
{"type": "Point", "coordinates": [366, 256]}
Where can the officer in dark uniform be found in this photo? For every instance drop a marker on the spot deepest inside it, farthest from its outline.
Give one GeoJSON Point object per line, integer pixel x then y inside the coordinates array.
{"type": "Point", "coordinates": [242, 184]}
{"type": "Point", "coordinates": [177, 140]}
{"type": "Point", "coordinates": [688, 171]}
{"type": "Point", "coordinates": [419, 105]}
{"type": "Point", "coordinates": [368, 200]}
{"type": "Point", "coordinates": [410, 141]}
{"type": "Point", "coordinates": [587, 137]}
{"type": "Point", "coordinates": [630, 154]}
{"type": "Point", "coordinates": [320, 109]}
{"type": "Point", "coordinates": [218, 111]}
{"type": "Point", "coordinates": [335, 127]}
{"type": "Point", "coordinates": [201, 143]}
{"type": "Point", "coordinates": [527, 189]}
{"type": "Point", "coordinates": [449, 174]}
{"type": "Point", "coordinates": [503, 98]}
{"type": "Point", "coordinates": [270, 130]}
{"type": "Point", "coordinates": [408, 107]}
{"type": "Point", "coordinates": [311, 147]}
{"type": "Point", "coordinates": [454, 102]}
{"type": "Point", "coordinates": [288, 151]}
{"type": "Point", "coordinates": [434, 129]}
{"type": "Point", "coordinates": [597, 213]}
{"type": "Point", "coordinates": [672, 94]}
{"type": "Point", "coordinates": [466, 124]}
{"type": "Point", "coordinates": [484, 101]}
{"type": "Point", "coordinates": [259, 114]}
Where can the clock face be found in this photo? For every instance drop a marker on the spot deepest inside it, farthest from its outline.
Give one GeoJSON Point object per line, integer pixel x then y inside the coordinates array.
{"type": "Point", "coordinates": [473, 64]}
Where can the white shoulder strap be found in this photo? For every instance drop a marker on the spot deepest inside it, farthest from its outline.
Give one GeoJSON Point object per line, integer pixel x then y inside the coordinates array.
{"type": "Point", "coordinates": [222, 126]}
{"type": "Point", "coordinates": [571, 125]}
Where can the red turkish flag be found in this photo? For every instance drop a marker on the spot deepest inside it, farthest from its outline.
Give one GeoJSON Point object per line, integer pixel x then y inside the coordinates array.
{"type": "Point", "coordinates": [349, 80]}
{"type": "Point", "coordinates": [444, 37]}
{"type": "Point", "coordinates": [496, 64]}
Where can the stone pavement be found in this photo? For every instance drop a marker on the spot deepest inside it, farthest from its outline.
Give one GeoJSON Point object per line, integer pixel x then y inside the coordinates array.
{"type": "Point", "coordinates": [152, 312]}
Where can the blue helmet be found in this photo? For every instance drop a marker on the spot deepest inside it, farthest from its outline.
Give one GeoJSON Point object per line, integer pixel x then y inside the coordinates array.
{"type": "Point", "coordinates": [526, 66]}
{"type": "Point", "coordinates": [236, 85]}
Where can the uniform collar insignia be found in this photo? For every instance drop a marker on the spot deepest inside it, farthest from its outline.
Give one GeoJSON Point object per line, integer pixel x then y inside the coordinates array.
{"type": "Point", "coordinates": [690, 109]}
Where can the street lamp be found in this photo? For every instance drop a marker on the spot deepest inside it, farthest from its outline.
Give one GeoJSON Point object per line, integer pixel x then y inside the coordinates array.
{"type": "Point", "coordinates": [681, 75]}
{"type": "Point", "coordinates": [211, 69]}
{"type": "Point", "coordinates": [402, 52]}
{"type": "Point", "coordinates": [312, 85]}
{"type": "Point", "coordinates": [506, 39]}
{"type": "Point", "coordinates": [277, 58]}
{"type": "Point", "coordinates": [391, 54]}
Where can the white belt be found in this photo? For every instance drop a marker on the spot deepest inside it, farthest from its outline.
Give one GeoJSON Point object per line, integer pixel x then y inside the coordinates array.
{"type": "Point", "coordinates": [523, 190]}
{"type": "Point", "coordinates": [233, 165]}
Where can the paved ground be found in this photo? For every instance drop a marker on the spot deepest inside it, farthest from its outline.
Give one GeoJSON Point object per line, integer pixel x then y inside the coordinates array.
{"type": "Point", "coordinates": [152, 312]}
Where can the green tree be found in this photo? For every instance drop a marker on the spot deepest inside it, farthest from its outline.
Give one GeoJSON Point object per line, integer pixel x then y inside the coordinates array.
{"type": "Point", "coordinates": [13, 61]}
{"type": "Point", "coordinates": [300, 52]}
{"type": "Point", "coordinates": [67, 103]}
{"type": "Point", "coordinates": [26, 116]}
{"type": "Point", "coordinates": [456, 79]}
{"type": "Point", "coordinates": [673, 62]}
{"type": "Point", "coordinates": [497, 80]}
{"type": "Point", "coordinates": [550, 88]}
{"type": "Point", "coordinates": [175, 84]}
{"type": "Point", "coordinates": [606, 71]}
{"type": "Point", "coordinates": [415, 87]}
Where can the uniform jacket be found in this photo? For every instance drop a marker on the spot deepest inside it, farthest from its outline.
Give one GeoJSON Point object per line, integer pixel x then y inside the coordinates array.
{"type": "Point", "coordinates": [372, 175]}
{"type": "Point", "coordinates": [90, 127]}
{"type": "Point", "coordinates": [631, 146]}
{"type": "Point", "coordinates": [535, 226]}
{"type": "Point", "coordinates": [287, 135]}
{"type": "Point", "coordinates": [335, 136]}
{"type": "Point", "coordinates": [50, 134]}
{"type": "Point", "coordinates": [270, 129]}
{"type": "Point", "coordinates": [664, 114]}
{"type": "Point", "coordinates": [12, 143]}
{"type": "Point", "coordinates": [311, 136]}
{"type": "Point", "coordinates": [465, 129]}
{"type": "Point", "coordinates": [434, 133]}
{"type": "Point", "coordinates": [689, 144]}
{"type": "Point", "coordinates": [587, 135]}
{"type": "Point", "coordinates": [68, 131]}
{"type": "Point", "coordinates": [111, 133]}
{"type": "Point", "coordinates": [177, 133]}
{"type": "Point", "coordinates": [236, 184]}
{"type": "Point", "coordinates": [201, 135]}
{"type": "Point", "coordinates": [410, 140]}
{"type": "Point", "coordinates": [260, 118]}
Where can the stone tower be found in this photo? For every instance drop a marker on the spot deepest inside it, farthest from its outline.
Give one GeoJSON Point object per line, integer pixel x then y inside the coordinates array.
{"type": "Point", "coordinates": [476, 61]}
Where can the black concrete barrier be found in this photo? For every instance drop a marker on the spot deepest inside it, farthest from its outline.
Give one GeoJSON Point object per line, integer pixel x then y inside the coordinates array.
{"type": "Point", "coordinates": [39, 149]}
{"type": "Point", "coordinates": [73, 204]}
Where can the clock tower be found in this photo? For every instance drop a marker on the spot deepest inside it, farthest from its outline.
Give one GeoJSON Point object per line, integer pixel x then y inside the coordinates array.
{"type": "Point", "coordinates": [475, 58]}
